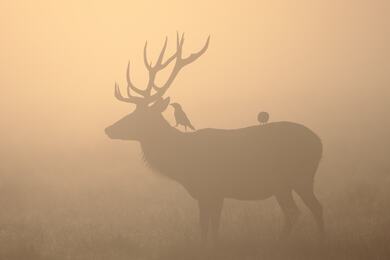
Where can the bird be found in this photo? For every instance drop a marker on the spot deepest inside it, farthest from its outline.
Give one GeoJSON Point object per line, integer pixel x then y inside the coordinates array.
{"type": "Point", "coordinates": [181, 117]}
{"type": "Point", "coordinates": [263, 117]}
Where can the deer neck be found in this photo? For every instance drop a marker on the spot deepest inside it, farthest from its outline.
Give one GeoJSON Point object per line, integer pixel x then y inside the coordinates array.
{"type": "Point", "coordinates": [159, 136]}
{"type": "Point", "coordinates": [157, 147]}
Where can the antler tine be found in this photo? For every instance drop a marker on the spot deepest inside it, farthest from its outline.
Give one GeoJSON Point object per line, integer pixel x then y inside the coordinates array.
{"type": "Point", "coordinates": [196, 55]}
{"type": "Point", "coordinates": [161, 65]}
{"type": "Point", "coordinates": [147, 65]}
{"type": "Point", "coordinates": [129, 99]}
{"type": "Point", "coordinates": [179, 44]}
{"type": "Point", "coordinates": [161, 56]}
{"type": "Point", "coordinates": [169, 60]}
{"type": "Point", "coordinates": [130, 84]}
{"type": "Point", "coordinates": [153, 69]}
{"type": "Point", "coordinates": [182, 41]}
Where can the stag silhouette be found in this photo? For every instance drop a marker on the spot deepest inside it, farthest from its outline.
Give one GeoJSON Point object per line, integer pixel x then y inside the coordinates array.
{"type": "Point", "coordinates": [250, 163]}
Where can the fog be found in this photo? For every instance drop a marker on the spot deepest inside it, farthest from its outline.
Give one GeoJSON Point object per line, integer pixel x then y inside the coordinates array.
{"type": "Point", "coordinates": [69, 192]}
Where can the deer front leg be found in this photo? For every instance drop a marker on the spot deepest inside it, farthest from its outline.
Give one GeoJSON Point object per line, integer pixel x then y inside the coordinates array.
{"type": "Point", "coordinates": [204, 219]}
{"type": "Point", "coordinates": [209, 215]}
{"type": "Point", "coordinates": [215, 218]}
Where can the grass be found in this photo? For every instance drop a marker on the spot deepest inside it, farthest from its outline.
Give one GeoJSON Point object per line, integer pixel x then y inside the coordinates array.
{"type": "Point", "coordinates": [113, 213]}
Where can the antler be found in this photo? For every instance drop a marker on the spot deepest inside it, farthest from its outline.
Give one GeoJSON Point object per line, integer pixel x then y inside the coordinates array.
{"type": "Point", "coordinates": [145, 95]}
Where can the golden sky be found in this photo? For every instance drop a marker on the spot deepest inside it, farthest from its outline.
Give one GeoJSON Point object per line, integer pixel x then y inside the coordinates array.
{"type": "Point", "coordinates": [322, 63]}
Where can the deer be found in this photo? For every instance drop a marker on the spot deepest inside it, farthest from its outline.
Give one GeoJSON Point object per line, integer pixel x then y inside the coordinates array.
{"type": "Point", "coordinates": [251, 163]}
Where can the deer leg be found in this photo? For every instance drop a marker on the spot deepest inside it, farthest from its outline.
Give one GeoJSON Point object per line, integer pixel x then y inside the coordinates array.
{"type": "Point", "coordinates": [310, 200]}
{"type": "Point", "coordinates": [290, 211]}
{"type": "Point", "coordinates": [209, 216]}
{"type": "Point", "coordinates": [204, 219]}
{"type": "Point", "coordinates": [216, 210]}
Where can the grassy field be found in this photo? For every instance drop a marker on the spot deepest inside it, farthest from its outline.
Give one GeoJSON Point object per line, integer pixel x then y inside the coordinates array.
{"type": "Point", "coordinates": [108, 210]}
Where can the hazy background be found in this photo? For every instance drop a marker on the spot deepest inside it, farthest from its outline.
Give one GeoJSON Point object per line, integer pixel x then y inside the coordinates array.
{"type": "Point", "coordinates": [321, 63]}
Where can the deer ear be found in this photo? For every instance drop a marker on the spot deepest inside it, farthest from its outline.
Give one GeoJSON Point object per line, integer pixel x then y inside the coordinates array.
{"type": "Point", "coordinates": [161, 104]}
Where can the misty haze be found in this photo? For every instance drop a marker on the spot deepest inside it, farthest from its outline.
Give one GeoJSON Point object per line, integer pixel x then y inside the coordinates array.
{"type": "Point", "coordinates": [260, 133]}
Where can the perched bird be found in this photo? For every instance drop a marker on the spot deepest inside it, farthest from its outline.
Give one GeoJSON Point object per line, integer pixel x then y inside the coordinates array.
{"type": "Point", "coordinates": [263, 117]}
{"type": "Point", "coordinates": [181, 117]}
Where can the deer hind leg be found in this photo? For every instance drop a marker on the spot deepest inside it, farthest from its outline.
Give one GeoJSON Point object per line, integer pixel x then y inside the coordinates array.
{"type": "Point", "coordinates": [290, 211]}
{"type": "Point", "coordinates": [215, 218]}
{"type": "Point", "coordinates": [209, 215]}
{"type": "Point", "coordinates": [307, 195]}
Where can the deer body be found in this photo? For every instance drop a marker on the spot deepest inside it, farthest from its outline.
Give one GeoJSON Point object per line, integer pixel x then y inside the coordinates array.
{"type": "Point", "coordinates": [250, 163]}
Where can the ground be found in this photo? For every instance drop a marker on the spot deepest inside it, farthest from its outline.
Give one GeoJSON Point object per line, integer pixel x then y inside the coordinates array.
{"type": "Point", "coordinates": [112, 213]}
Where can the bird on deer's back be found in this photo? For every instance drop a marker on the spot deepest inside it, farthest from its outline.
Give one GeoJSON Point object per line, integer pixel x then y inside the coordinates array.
{"type": "Point", "coordinates": [181, 117]}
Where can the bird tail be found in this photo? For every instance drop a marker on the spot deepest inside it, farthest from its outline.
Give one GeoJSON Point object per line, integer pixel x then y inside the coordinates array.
{"type": "Point", "coordinates": [191, 126]}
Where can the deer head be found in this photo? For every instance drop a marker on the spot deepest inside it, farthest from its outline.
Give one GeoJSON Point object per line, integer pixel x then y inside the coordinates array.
{"type": "Point", "coordinates": [149, 102]}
